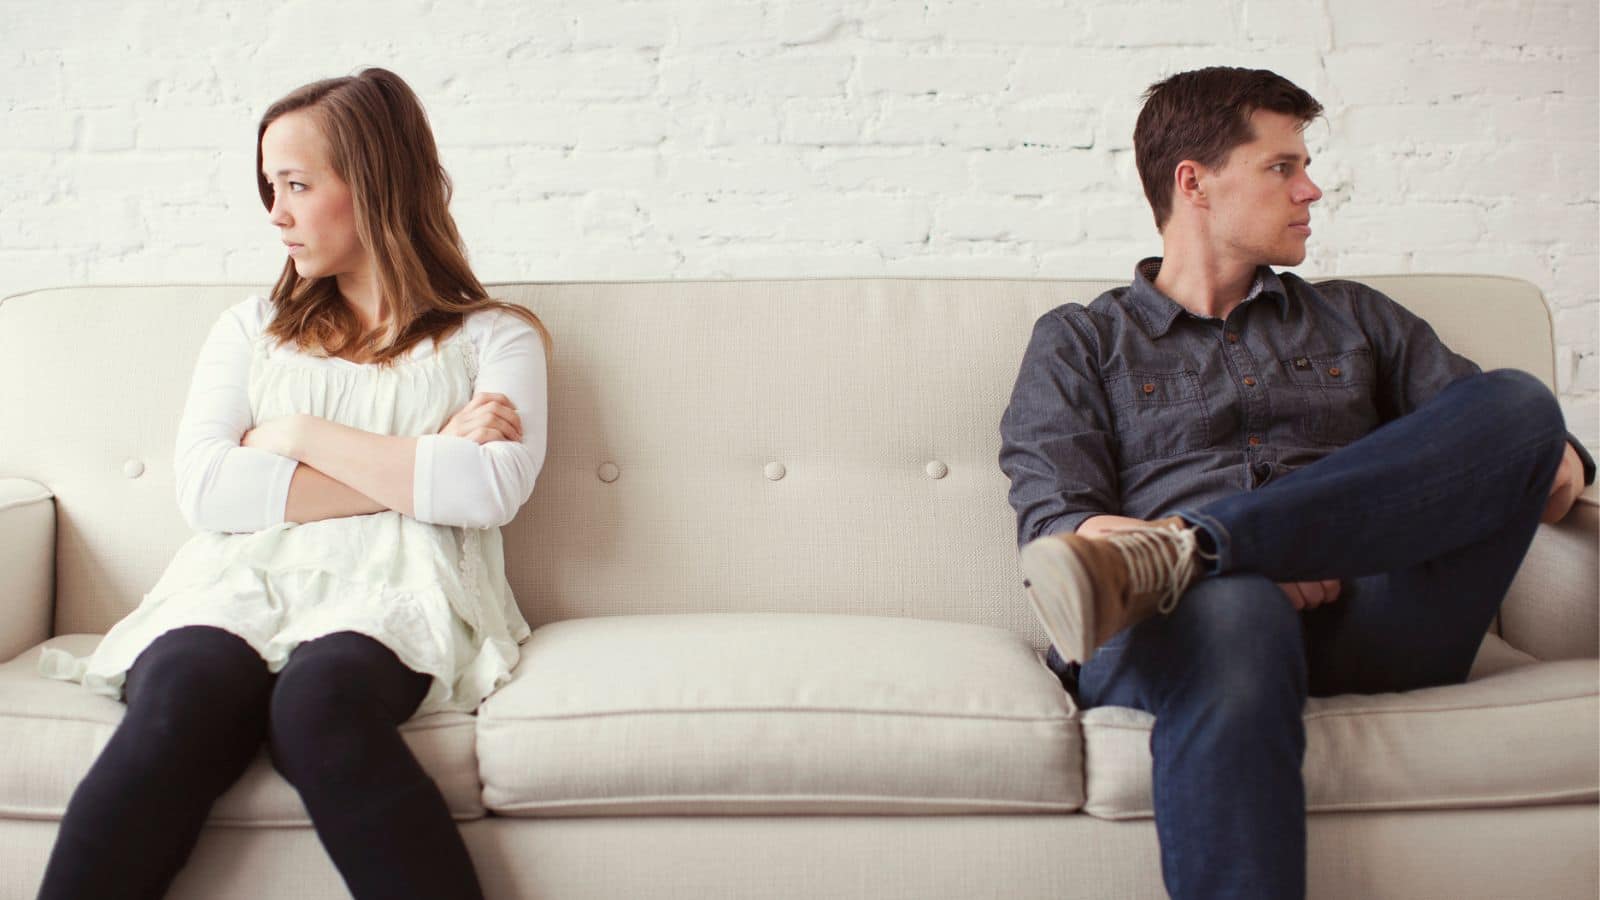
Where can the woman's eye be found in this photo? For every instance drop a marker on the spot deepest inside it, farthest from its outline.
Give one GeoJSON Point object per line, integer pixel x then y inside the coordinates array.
{"type": "Point", "coordinates": [296, 186]}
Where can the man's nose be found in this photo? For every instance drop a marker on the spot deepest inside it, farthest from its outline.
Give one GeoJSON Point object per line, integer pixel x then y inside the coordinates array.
{"type": "Point", "coordinates": [1310, 192]}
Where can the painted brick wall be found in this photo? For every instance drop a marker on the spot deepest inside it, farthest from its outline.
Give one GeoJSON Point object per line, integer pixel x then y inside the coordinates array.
{"type": "Point", "coordinates": [678, 139]}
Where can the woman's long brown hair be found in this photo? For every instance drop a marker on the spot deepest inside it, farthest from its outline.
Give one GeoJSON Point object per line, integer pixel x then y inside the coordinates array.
{"type": "Point", "coordinates": [381, 146]}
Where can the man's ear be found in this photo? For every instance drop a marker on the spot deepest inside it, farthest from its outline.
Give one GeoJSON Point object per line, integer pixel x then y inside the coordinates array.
{"type": "Point", "coordinates": [1186, 183]}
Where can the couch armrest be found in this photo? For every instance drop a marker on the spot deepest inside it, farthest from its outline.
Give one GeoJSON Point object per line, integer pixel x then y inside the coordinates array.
{"type": "Point", "coordinates": [1553, 608]}
{"type": "Point", "coordinates": [27, 564]}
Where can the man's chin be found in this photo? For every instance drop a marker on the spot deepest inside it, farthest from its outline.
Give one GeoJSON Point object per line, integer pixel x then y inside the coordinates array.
{"type": "Point", "coordinates": [1290, 256]}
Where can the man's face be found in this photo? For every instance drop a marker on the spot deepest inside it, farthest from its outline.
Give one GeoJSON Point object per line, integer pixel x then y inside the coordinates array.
{"type": "Point", "coordinates": [1260, 199]}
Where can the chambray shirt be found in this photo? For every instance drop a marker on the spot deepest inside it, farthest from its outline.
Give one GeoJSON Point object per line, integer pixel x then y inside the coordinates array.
{"type": "Point", "coordinates": [1134, 406]}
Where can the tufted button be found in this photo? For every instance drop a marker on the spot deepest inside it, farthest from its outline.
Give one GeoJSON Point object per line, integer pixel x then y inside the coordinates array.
{"type": "Point", "coordinates": [775, 471]}
{"type": "Point", "coordinates": [608, 472]}
{"type": "Point", "coordinates": [937, 469]}
{"type": "Point", "coordinates": [133, 468]}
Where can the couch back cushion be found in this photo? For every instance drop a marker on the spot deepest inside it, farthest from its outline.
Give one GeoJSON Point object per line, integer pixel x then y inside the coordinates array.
{"type": "Point", "coordinates": [801, 446]}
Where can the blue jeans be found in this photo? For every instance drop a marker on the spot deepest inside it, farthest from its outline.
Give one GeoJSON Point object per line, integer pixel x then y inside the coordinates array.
{"type": "Point", "coordinates": [1424, 521]}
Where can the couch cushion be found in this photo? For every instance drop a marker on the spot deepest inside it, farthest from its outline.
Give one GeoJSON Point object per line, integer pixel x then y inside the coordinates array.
{"type": "Point", "coordinates": [52, 731]}
{"type": "Point", "coordinates": [1519, 732]}
{"type": "Point", "coordinates": [767, 713]}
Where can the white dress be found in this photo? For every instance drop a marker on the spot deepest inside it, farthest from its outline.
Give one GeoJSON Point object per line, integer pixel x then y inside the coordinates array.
{"type": "Point", "coordinates": [435, 594]}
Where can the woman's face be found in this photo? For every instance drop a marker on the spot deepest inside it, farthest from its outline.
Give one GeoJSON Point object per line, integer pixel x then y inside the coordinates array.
{"type": "Point", "coordinates": [311, 205]}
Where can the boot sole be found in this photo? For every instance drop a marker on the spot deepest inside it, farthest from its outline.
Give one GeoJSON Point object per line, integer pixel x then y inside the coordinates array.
{"type": "Point", "coordinates": [1062, 597]}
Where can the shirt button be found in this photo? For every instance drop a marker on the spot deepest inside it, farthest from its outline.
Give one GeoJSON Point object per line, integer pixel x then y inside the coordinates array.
{"type": "Point", "coordinates": [1334, 371]}
{"type": "Point", "coordinates": [1233, 337]}
{"type": "Point", "coordinates": [1255, 440]}
{"type": "Point", "coordinates": [1149, 388]}
{"type": "Point", "coordinates": [1249, 382]}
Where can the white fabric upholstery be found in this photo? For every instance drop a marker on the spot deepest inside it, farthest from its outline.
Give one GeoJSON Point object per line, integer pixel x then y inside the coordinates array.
{"type": "Point", "coordinates": [27, 556]}
{"type": "Point", "coordinates": [731, 713]}
{"type": "Point", "coordinates": [1544, 852]}
{"type": "Point", "coordinates": [52, 731]}
{"type": "Point", "coordinates": [1549, 610]}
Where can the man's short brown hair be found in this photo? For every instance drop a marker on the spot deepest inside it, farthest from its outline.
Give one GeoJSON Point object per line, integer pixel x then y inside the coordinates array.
{"type": "Point", "coordinates": [1202, 115]}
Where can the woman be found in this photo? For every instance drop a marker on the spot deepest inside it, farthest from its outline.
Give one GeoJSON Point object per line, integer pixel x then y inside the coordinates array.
{"type": "Point", "coordinates": [348, 571]}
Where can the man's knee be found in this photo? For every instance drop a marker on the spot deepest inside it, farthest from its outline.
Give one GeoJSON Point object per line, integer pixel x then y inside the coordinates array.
{"type": "Point", "coordinates": [1232, 614]}
{"type": "Point", "coordinates": [1514, 396]}
{"type": "Point", "coordinates": [1247, 640]}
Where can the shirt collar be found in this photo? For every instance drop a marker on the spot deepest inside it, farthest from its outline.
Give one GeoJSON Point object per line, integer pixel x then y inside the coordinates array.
{"type": "Point", "coordinates": [1158, 311]}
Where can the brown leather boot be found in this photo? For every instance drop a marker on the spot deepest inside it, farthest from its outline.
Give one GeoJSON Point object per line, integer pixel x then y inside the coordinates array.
{"type": "Point", "coordinates": [1084, 590]}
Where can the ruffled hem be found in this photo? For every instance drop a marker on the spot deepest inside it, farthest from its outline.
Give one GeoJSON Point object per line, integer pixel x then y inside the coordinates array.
{"type": "Point", "coordinates": [420, 627]}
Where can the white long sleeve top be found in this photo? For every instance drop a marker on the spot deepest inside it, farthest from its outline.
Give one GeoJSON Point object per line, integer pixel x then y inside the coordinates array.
{"type": "Point", "coordinates": [225, 487]}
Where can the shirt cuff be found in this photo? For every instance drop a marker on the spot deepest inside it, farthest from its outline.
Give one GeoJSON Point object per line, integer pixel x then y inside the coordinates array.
{"type": "Point", "coordinates": [422, 479]}
{"type": "Point", "coordinates": [1066, 523]}
{"type": "Point", "coordinates": [277, 511]}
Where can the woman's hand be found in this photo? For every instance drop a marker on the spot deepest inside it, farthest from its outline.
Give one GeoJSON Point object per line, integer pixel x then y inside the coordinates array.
{"type": "Point", "coordinates": [281, 436]}
{"type": "Point", "coordinates": [486, 417]}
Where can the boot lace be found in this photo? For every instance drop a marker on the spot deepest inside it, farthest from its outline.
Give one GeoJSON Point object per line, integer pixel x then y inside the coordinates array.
{"type": "Point", "coordinates": [1160, 559]}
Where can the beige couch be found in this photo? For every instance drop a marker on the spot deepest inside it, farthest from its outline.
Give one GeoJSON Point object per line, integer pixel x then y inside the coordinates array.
{"type": "Point", "coordinates": [781, 648]}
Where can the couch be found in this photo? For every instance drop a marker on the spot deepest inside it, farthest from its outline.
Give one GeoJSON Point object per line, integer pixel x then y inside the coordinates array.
{"type": "Point", "coordinates": [781, 647]}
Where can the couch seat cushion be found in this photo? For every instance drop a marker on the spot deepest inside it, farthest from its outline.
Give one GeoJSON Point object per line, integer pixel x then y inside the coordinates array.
{"type": "Point", "coordinates": [1518, 732]}
{"type": "Point", "coordinates": [777, 713]}
{"type": "Point", "coordinates": [52, 731]}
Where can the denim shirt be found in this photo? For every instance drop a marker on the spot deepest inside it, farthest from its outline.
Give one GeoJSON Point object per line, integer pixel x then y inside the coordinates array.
{"type": "Point", "coordinates": [1134, 406]}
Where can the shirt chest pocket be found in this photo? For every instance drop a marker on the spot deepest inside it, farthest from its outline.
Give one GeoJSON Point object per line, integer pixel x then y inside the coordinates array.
{"type": "Point", "coordinates": [1158, 414]}
{"type": "Point", "coordinates": [1331, 396]}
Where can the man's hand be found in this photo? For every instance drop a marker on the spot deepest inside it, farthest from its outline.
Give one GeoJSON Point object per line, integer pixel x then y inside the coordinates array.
{"type": "Point", "coordinates": [1565, 489]}
{"type": "Point", "coordinates": [1310, 594]}
{"type": "Point", "coordinates": [486, 417]}
{"type": "Point", "coordinates": [1102, 525]}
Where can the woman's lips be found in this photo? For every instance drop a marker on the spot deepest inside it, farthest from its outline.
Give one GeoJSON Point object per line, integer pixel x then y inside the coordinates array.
{"type": "Point", "coordinates": [1301, 229]}
{"type": "Point", "coordinates": [294, 248]}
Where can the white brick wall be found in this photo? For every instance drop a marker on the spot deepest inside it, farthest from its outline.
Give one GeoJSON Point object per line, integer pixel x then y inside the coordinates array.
{"type": "Point", "coordinates": [752, 138]}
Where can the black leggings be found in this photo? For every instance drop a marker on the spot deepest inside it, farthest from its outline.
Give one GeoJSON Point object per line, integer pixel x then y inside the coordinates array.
{"type": "Point", "coordinates": [200, 702]}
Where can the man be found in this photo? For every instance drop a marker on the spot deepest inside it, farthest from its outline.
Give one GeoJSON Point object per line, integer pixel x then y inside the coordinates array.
{"type": "Point", "coordinates": [1235, 489]}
